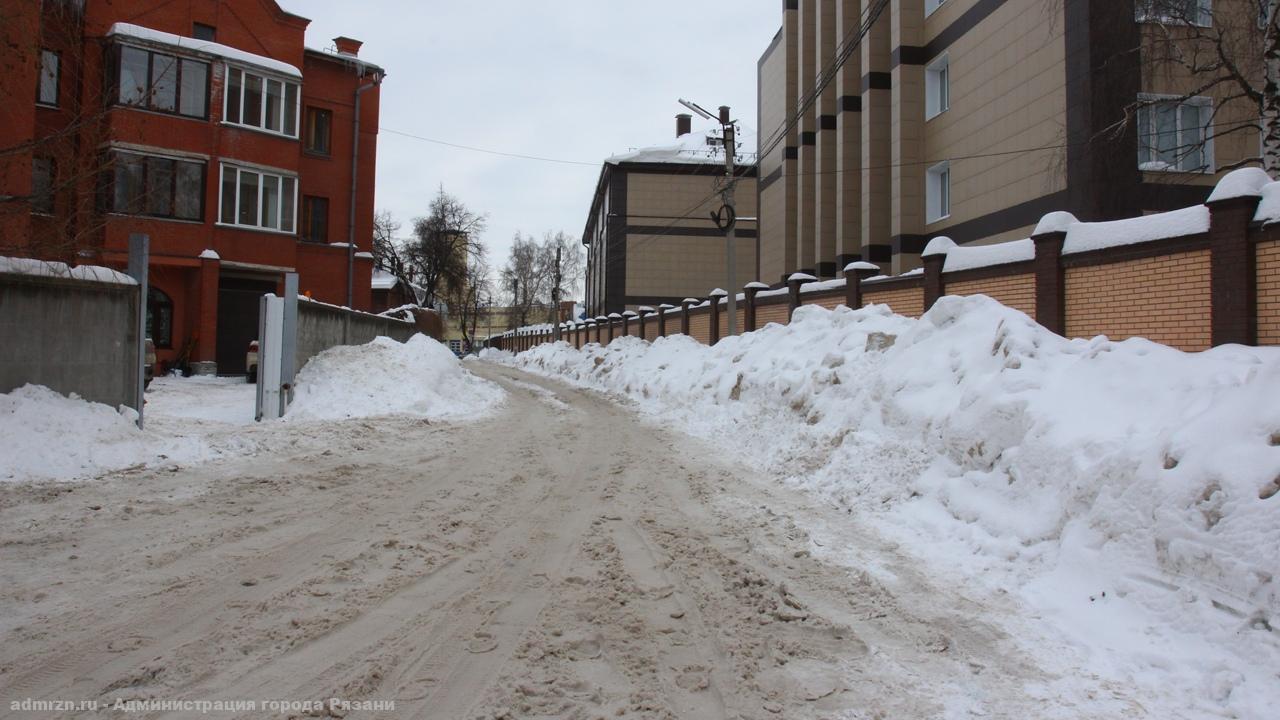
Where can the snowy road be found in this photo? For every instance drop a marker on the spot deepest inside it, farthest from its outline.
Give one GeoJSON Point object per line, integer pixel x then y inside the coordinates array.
{"type": "Point", "coordinates": [559, 559]}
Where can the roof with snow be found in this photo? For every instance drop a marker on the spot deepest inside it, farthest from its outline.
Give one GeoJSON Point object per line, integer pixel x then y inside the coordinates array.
{"type": "Point", "coordinates": [702, 147]}
{"type": "Point", "coordinates": [146, 34]}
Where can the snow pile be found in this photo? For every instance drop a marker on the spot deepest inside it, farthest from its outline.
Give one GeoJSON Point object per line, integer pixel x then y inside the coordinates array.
{"type": "Point", "coordinates": [1011, 459]}
{"type": "Point", "coordinates": [495, 355]}
{"type": "Point", "coordinates": [384, 377]}
{"type": "Point", "coordinates": [45, 435]}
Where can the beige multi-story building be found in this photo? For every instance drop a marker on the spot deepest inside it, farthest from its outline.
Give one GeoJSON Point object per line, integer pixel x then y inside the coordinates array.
{"type": "Point", "coordinates": [650, 238]}
{"type": "Point", "coordinates": [884, 123]}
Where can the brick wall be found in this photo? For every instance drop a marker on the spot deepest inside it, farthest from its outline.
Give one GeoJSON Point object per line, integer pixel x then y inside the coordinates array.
{"type": "Point", "coordinates": [699, 326]}
{"type": "Point", "coordinates": [1016, 291]}
{"type": "Point", "coordinates": [766, 314]}
{"type": "Point", "coordinates": [827, 301]}
{"type": "Point", "coordinates": [1164, 298]}
{"type": "Point", "coordinates": [1268, 270]}
{"type": "Point", "coordinates": [904, 301]}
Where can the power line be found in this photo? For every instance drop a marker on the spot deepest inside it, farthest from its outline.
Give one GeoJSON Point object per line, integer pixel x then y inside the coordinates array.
{"type": "Point", "coordinates": [487, 151]}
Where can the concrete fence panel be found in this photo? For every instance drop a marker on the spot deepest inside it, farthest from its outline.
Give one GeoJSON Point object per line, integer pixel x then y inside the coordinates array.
{"type": "Point", "coordinates": [71, 335]}
{"type": "Point", "coordinates": [322, 326]}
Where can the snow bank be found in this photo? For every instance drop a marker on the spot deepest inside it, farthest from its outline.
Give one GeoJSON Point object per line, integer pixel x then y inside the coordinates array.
{"type": "Point", "coordinates": [50, 268]}
{"type": "Point", "coordinates": [384, 377]}
{"type": "Point", "coordinates": [1008, 458]}
{"type": "Point", "coordinates": [45, 435]}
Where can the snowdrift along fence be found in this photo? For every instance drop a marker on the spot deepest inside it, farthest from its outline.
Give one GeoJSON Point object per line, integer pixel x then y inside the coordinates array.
{"type": "Point", "coordinates": [1192, 278]}
{"type": "Point", "coordinates": [73, 330]}
{"type": "Point", "coordinates": [322, 326]}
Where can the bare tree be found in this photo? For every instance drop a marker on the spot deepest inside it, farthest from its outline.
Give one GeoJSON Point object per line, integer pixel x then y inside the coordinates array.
{"type": "Point", "coordinates": [390, 253]}
{"type": "Point", "coordinates": [444, 244]}
{"type": "Point", "coordinates": [465, 300]}
{"type": "Point", "coordinates": [1228, 50]}
{"type": "Point", "coordinates": [531, 273]}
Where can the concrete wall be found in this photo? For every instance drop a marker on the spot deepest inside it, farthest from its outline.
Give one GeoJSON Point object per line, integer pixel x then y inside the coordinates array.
{"type": "Point", "coordinates": [73, 336]}
{"type": "Point", "coordinates": [320, 327]}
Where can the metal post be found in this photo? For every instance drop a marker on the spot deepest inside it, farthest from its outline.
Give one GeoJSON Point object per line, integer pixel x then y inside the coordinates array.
{"type": "Point", "coordinates": [289, 341]}
{"type": "Point", "coordinates": [139, 261]}
{"type": "Point", "coordinates": [730, 235]}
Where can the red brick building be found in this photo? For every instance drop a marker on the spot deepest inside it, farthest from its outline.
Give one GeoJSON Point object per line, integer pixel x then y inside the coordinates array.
{"type": "Point", "coordinates": [206, 124]}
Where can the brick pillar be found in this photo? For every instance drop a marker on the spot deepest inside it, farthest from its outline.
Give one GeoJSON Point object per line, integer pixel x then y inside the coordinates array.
{"type": "Point", "coordinates": [685, 304]}
{"type": "Point", "coordinates": [749, 292]}
{"type": "Point", "coordinates": [933, 285]}
{"type": "Point", "coordinates": [714, 299]}
{"type": "Point", "coordinates": [854, 273]}
{"type": "Point", "coordinates": [662, 319]}
{"type": "Point", "coordinates": [600, 321]}
{"type": "Point", "coordinates": [642, 312]}
{"type": "Point", "coordinates": [1232, 274]}
{"type": "Point", "coordinates": [206, 334]}
{"type": "Point", "coordinates": [793, 290]}
{"type": "Point", "coordinates": [610, 321]}
{"type": "Point", "coordinates": [626, 323]}
{"type": "Point", "coordinates": [1051, 298]}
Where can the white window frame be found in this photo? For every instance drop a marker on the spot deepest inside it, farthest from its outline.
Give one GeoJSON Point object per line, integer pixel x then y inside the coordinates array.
{"type": "Point", "coordinates": [1144, 11]}
{"type": "Point", "coordinates": [937, 86]}
{"type": "Point", "coordinates": [260, 172]}
{"type": "Point", "coordinates": [1204, 104]}
{"type": "Point", "coordinates": [931, 5]}
{"type": "Point", "coordinates": [262, 112]}
{"type": "Point", "coordinates": [937, 192]}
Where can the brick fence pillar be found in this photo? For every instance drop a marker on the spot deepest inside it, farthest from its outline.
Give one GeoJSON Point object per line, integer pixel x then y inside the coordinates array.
{"type": "Point", "coordinates": [854, 273]}
{"type": "Point", "coordinates": [1232, 274]}
{"type": "Point", "coordinates": [934, 258]}
{"type": "Point", "coordinates": [1051, 284]}
{"type": "Point", "coordinates": [642, 312]}
{"type": "Point", "coordinates": [749, 292]}
{"type": "Point", "coordinates": [794, 281]}
{"type": "Point", "coordinates": [626, 323]}
{"type": "Point", "coordinates": [600, 321]}
{"type": "Point", "coordinates": [685, 304]}
{"type": "Point", "coordinates": [662, 319]}
{"type": "Point", "coordinates": [612, 324]}
{"type": "Point", "coordinates": [713, 336]}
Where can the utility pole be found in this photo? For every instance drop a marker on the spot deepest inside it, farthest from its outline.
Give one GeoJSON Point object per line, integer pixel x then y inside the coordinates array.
{"type": "Point", "coordinates": [726, 217]}
{"type": "Point", "coordinates": [730, 239]}
{"type": "Point", "coordinates": [555, 300]}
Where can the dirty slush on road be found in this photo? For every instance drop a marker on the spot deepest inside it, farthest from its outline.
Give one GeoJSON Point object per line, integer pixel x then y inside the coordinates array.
{"type": "Point", "coordinates": [557, 559]}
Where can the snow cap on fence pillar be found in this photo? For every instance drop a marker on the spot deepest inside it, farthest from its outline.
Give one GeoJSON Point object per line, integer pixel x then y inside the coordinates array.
{"type": "Point", "coordinates": [794, 281]}
{"type": "Point", "coordinates": [749, 312]}
{"type": "Point", "coordinates": [1058, 221]}
{"type": "Point", "coordinates": [854, 273]}
{"type": "Point", "coordinates": [938, 246]}
{"type": "Point", "coordinates": [717, 293]}
{"type": "Point", "coordinates": [861, 266]}
{"type": "Point", "coordinates": [1244, 182]}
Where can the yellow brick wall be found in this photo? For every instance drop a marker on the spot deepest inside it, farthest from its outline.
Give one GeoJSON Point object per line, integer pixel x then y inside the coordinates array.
{"type": "Point", "coordinates": [1268, 270]}
{"type": "Point", "coordinates": [1165, 299]}
{"type": "Point", "coordinates": [699, 327]}
{"type": "Point", "coordinates": [903, 301]}
{"type": "Point", "coordinates": [1015, 291]}
{"type": "Point", "coordinates": [772, 313]}
{"type": "Point", "coordinates": [829, 302]}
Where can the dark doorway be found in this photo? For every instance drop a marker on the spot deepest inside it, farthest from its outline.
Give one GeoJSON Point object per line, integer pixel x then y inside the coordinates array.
{"type": "Point", "coordinates": [238, 319]}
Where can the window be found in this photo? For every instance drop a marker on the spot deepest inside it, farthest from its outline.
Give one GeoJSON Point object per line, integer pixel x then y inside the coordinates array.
{"type": "Point", "coordinates": [200, 31]}
{"type": "Point", "coordinates": [931, 5]}
{"type": "Point", "coordinates": [257, 199]}
{"type": "Point", "coordinates": [937, 87]}
{"type": "Point", "coordinates": [1174, 135]}
{"type": "Point", "coordinates": [937, 192]}
{"type": "Point", "coordinates": [318, 125]}
{"type": "Point", "coordinates": [47, 93]}
{"type": "Point", "coordinates": [159, 317]}
{"type": "Point", "coordinates": [261, 102]}
{"type": "Point", "coordinates": [315, 219]}
{"type": "Point", "coordinates": [1186, 12]}
{"type": "Point", "coordinates": [158, 186]}
{"type": "Point", "coordinates": [42, 186]}
{"type": "Point", "coordinates": [161, 82]}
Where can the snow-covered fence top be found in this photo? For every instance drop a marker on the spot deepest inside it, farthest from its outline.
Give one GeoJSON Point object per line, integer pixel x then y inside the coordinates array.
{"type": "Point", "coordinates": [1190, 278]}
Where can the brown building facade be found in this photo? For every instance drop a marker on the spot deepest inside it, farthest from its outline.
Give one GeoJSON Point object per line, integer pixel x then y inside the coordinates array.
{"type": "Point", "coordinates": [650, 238]}
{"type": "Point", "coordinates": [205, 124]}
{"type": "Point", "coordinates": [972, 119]}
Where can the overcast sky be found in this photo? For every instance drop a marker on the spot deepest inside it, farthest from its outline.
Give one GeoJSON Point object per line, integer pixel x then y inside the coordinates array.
{"type": "Point", "coordinates": [569, 79]}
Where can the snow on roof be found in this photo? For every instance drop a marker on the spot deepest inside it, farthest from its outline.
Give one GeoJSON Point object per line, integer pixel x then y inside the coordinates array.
{"type": "Point", "coordinates": [1083, 237]}
{"type": "Point", "coordinates": [1244, 182]}
{"type": "Point", "coordinates": [138, 32]}
{"type": "Point", "coordinates": [382, 280]}
{"type": "Point", "coordinates": [694, 148]}
{"type": "Point", "coordinates": [46, 268]}
{"type": "Point", "coordinates": [968, 257]}
{"type": "Point", "coordinates": [363, 65]}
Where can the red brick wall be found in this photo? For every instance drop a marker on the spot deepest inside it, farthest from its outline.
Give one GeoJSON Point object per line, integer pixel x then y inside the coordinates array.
{"type": "Point", "coordinates": [904, 301]}
{"type": "Point", "coordinates": [1015, 291]}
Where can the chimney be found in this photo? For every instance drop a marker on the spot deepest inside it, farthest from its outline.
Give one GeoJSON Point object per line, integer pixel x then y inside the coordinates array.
{"type": "Point", "coordinates": [347, 46]}
{"type": "Point", "coordinates": [684, 124]}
